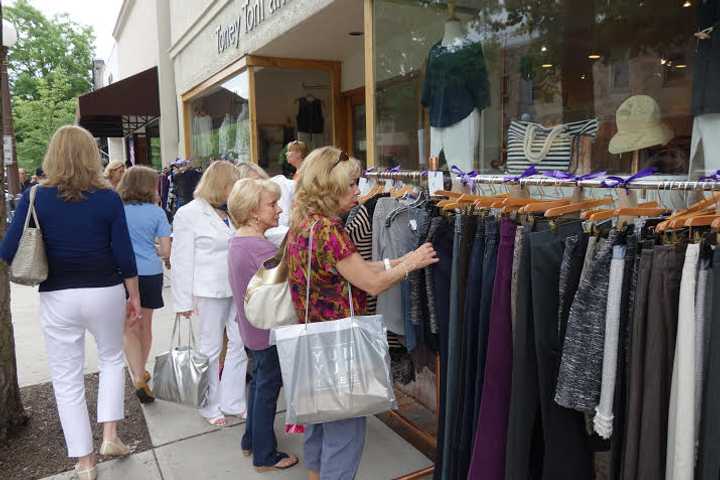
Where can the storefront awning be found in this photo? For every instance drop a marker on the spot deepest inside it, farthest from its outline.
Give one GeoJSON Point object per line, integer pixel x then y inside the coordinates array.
{"type": "Point", "coordinates": [122, 107]}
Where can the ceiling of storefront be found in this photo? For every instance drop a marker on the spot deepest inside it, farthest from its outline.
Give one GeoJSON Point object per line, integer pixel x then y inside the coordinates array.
{"type": "Point", "coordinates": [323, 36]}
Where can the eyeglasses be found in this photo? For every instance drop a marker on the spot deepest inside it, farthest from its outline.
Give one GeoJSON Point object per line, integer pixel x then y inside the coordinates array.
{"type": "Point", "coordinates": [343, 157]}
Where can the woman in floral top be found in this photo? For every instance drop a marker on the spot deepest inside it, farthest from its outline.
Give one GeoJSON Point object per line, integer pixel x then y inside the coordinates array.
{"type": "Point", "coordinates": [327, 188]}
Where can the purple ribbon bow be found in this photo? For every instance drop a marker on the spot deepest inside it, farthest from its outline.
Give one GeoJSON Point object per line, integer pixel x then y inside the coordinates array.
{"type": "Point", "coordinates": [464, 177]}
{"type": "Point", "coordinates": [569, 177]}
{"type": "Point", "coordinates": [614, 182]}
{"type": "Point", "coordinates": [715, 177]}
{"type": "Point", "coordinates": [371, 169]}
{"type": "Point", "coordinates": [394, 169]}
{"type": "Point", "coordinates": [529, 172]}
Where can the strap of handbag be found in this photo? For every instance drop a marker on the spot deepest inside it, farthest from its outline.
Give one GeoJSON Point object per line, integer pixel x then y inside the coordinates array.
{"type": "Point", "coordinates": [31, 209]}
{"type": "Point", "coordinates": [307, 277]}
{"type": "Point", "coordinates": [530, 139]}
{"type": "Point", "coordinates": [176, 332]}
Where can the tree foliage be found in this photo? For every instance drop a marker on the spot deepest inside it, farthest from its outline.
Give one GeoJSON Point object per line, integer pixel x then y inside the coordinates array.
{"type": "Point", "coordinates": [50, 66]}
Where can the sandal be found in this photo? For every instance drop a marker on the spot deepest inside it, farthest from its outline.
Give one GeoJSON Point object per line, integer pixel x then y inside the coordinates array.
{"type": "Point", "coordinates": [219, 421]}
{"type": "Point", "coordinates": [286, 461]}
{"type": "Point", "coordinates": [146, 376]}
{"type": "Point", "coordinates": [86, 474]}
{"type": "Point", "coordinates": [144, 393]}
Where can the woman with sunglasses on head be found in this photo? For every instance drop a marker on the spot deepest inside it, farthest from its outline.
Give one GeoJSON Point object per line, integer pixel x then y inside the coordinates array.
{"type": "Point", "coordinates": [296, 153]}
{"type": "Point", "coordinates": [114, 172]}
{"type": "Point", "coordinates": [327, 188]}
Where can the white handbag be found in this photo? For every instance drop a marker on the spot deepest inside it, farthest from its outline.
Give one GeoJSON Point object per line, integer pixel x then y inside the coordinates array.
{"type": "Point", "coordinates": [30, 266]}
{"type": "Point", "coordinates": [268, 303]}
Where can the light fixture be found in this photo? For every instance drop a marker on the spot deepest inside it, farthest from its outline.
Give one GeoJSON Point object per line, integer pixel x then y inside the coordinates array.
{"type": "Point", "coordinates": [687, 4]}
{"type": "Point", "coordinates": [543, 48]}
{"type": "Point", "coordinates": [582, 77]}
{"type": "Point", "coordinates": [594, 56]}
{"type": "Point", "coordinates": [682, 65]}
{"type": "Point", "coordinates": [546, 65]}
{"type": "Point", "coordinates": [663, 61]}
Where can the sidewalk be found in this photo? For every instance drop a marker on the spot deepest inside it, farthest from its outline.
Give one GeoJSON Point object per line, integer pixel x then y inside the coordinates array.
{"type": "Point", "coordinates": [184, 446]}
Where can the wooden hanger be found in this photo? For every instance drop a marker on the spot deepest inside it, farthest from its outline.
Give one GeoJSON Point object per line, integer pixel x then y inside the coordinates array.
{"type": "Point", "coordinates": [684, 214]}
{"type": "Point", "coordinates": [577, 207]}
{"type": "Point", "coordinates": [447, 193]}
{"type": "Point", "coordinates": [702, 220]}
{"type": "Point", "coordinates": [588, 213]}
{"type": "Point", "coordinates": [542, 207]}
{"type": "Point", "coordinates": [716, 225]}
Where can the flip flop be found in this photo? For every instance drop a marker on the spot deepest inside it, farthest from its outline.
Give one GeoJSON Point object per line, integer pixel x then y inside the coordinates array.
{"type": "Point", "coordinates": [219, 421]}
{"type": "Point", "coordinates": [282, 456]}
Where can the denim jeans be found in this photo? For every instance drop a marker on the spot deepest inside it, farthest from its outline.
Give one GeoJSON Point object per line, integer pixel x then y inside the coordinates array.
{"type": "Point", "coordinates": [262, 405]}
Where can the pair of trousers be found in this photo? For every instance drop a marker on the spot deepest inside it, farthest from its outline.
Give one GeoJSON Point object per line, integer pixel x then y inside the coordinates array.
{"type": "Point", "coordinates": [523, 459]}
{"type": "Point", "coordinates": [681, 437]}
{"type": "Point", "coordinates": [661, 332]}
{"type": "Point", "coordinates": [263, 394]}
{"type": "Point", "coordinates": [566, 452]}
{"type": "Point", "coordinates": [488, 460]}
{"type": "Point", "coordinates": [709, 458]}
{"type": "Point", "coordinates": [334, 449]}
{"type": "Point", "coordinates": [65, 316]}
{"type": "Point", "coordinates": [637, 367]}
{"type": "Point", "coordinates": [226, 395]}
{"type": "Point", "coordinates": [462, 244]}
{"type": "Point", "coordinates": [470, 336]}
{"type": "Point", "coordinates": [442, 237]}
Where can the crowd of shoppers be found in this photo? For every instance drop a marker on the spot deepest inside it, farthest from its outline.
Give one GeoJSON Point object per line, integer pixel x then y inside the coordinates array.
{"type": "Point", "coordinates": [233, 225]}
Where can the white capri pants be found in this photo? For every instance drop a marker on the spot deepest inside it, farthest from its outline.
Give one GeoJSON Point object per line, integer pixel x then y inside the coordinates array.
{"type": "Point", "coordinates": [226, 396]}
{"type": "Point", "coordinates": [65, 315]}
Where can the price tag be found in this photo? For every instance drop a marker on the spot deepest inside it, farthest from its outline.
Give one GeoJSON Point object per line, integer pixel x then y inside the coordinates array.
{"type": "Point", "coordinates": [364, 186]}
{"type": "Point", "coordinates": [435, 182]}
{"type": "Point", "coordinates": [413, 225]}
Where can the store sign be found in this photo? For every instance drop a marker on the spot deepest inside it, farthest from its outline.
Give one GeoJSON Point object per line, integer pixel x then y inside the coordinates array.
{"type": "Point", "coordinates": [8, 150]}
{"type": "Point", "coordinates": [252, 14]}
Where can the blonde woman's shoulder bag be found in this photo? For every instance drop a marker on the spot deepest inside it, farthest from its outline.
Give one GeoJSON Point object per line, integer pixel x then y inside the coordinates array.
{"type": "Point", "coordinates": [268, 303]}
{"type": "Point", "coordinates": [30, 266]}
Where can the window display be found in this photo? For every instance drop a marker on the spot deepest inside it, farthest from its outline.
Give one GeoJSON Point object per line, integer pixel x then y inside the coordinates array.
{"type": "Point", "coordinates": [559, 84]}
{"type": "Point", "coordinates": [220, 122]}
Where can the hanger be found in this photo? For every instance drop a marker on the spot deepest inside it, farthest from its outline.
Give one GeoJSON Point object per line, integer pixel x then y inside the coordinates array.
{"type": "Point", "coordinates": [672, 222]}
{"type": "Point", "coordinates": [702, 220]}
{"type": "Point", "coordinates": [577, 207]}
{"type": "Point", "coordinates": [447, 193]}
{"type": "Point", "coordinates": [588, 213]}
{"type": "Point", "coordinates": [543, 206]}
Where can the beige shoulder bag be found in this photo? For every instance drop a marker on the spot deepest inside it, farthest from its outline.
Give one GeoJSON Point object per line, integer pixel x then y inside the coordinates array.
{"type": "Point", "coordinates": [30, 266]}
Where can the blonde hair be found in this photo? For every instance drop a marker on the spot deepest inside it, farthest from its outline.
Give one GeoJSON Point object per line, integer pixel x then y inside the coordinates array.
{"type": "Point", "coordinates": [248, 169]}
{"type": "Point", "coordinates": [139, 185]}
{"type": "Point", "coordinates": [323, 179]}
{"type": "Point", "coordinates": [215, 183]}
{"type": "Point", "coordinates": [298, 146]}
{"type": "Point", "coordinates": [112, 166]}
{"type": "Point", "coordinates": [245, 197]}
{"type": "Point", "coordinates": [72, 163]}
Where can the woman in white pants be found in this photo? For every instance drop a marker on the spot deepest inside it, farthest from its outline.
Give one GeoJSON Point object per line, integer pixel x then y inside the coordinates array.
{"type": "Point", "coordinates": [200, 285]}
{"type": "Point", "coordinates": [89, 258]}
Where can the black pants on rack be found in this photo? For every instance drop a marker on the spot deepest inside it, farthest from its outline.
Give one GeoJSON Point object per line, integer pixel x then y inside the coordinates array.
{"type": "Point", "coordinates": [567, 454]}
{"type": "Point", "coordinates": [441, 273]}
{"type": "Point", "coordinates": [523, 458]}
{"type": "Point", "coordinates": [709, 461]}
{"type": "Point", "coordinates": [462, 245]}
{"type": "Point", "coordinates": [470, 339]}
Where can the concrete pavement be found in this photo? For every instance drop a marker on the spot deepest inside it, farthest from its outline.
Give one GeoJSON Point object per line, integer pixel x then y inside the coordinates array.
{"type": "Point", "coordinates": [184, 446]}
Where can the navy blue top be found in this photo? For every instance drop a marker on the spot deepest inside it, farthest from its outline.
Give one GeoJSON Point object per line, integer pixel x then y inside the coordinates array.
{"type": "Point", "coordinates": [87, 242]}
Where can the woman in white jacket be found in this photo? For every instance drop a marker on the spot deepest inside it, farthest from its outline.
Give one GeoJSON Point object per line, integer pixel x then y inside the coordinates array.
{"type": "Point", "coordinates": [199, 259]}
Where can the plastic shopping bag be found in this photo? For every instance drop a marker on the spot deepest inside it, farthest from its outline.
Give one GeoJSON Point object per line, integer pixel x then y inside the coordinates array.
{"type": "Point", "coordinates": [335, 370]}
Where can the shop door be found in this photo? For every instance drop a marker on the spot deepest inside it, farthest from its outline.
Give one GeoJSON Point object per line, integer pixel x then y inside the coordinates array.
{"type": "Point", "coordinates": [354, 114]}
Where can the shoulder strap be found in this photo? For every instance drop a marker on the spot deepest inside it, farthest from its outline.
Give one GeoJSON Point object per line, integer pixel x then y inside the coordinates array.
{"type": "Point", "coordinates": [31, 209]}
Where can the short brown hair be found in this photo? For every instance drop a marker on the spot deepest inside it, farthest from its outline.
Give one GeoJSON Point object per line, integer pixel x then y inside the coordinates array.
{"type": "Point", "coordinates": [139, 185]}
{"type": "Point", "coordinates": [298, 146]}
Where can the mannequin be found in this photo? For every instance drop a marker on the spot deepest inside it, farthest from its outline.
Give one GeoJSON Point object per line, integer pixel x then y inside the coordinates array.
{"type": "Point", "coordinates": [455, 91]}
{"type": "Point", "coordinates": [705, 146]}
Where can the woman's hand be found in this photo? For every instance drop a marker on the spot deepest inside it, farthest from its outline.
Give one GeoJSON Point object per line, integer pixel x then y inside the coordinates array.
{"type": "Point", "coordinates": [423, 256]}
{"type": "Point", "coordinates": [187, 314]}
{"type": "Point", "coordinates": [134, 311]}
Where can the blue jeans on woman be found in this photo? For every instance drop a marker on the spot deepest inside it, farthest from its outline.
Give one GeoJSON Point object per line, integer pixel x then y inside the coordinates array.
{"type": "Point", "coordinates": [262, 405]}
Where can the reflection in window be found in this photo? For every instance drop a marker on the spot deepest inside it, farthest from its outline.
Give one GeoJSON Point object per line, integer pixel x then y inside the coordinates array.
{"type": "Point", "coordinates": [498, 86]}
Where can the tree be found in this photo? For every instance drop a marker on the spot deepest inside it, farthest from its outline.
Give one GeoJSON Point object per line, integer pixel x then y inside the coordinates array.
{"type": "Point", "coordinates": [12, 413]}
{"type": "Point", "coordinates": [50, 66]}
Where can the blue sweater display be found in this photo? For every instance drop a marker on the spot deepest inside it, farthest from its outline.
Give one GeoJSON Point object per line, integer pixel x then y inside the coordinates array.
{"type": "Point", "coordinates": [87, 242]}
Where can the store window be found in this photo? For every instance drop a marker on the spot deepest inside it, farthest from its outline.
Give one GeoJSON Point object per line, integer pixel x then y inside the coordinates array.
{"type": "Point", "coordinates": [497, 86]}
{"type": "Point", "coordinates": [220, 122]}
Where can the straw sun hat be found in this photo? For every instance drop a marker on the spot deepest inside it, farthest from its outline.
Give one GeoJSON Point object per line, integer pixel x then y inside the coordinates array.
{"type": "Point", "coordinates": [639, 126]}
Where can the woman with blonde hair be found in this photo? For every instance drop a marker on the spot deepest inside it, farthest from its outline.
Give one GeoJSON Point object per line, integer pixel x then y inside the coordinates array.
{"type": "Point", "coordinates": [252, 170]}
{"type": "Point", "coordinates": [200, 285]}
{"type": "Point", "coordinates": [114, 172]}
{"type": "Point", "coordinates": [253, 207]}
{"type": "Point", "coordinates": [327, 188]}
{"type": "Point", "coordinates": [89, 257]}
{"type": "Point", "coordinates": [147, 224]}
{"type": "Point", "coordinates": [296, 153]}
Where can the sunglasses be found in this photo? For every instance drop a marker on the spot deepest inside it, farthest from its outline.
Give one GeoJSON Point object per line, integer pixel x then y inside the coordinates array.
{"type": "Point", "coordinates": [343, 157]}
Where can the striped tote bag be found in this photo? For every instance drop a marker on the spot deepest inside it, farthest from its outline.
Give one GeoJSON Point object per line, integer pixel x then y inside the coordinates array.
{"type": "Point", "coordinates": [546, 148]}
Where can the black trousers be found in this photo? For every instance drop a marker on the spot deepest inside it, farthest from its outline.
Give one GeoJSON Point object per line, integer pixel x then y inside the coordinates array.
{"type": "Point", "coordinates": [709, 461]}
{"type": "Point", "coordinates": [567, 453]}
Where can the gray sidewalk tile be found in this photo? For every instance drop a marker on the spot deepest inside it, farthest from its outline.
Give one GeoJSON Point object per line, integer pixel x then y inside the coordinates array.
{"type": "Point", "coordinates": [141, 466]}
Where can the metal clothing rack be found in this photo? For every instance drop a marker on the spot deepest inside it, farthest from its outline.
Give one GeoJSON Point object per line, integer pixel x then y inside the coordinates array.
{"type": "Point", "coordinates": [420, 178]}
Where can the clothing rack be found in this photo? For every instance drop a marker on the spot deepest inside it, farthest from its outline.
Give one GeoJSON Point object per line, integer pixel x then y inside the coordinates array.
{"type": "Point", "coordinates": [420, 178]}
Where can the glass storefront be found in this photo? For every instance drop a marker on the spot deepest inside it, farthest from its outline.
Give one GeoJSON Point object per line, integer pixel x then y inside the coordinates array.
{"type": "Point", "coordinates": [500, 85]}
{"type": "Point", "coordinates": [220, 122]}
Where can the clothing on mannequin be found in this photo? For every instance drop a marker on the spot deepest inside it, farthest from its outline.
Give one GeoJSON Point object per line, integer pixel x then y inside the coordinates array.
{"type": "Point", "coordinates": [224, 136]}
{"type": "Point", "coordinates": [705, 145]}
{"type": "Point", "coordinates": [455, 91]}
{"type": "Point", "coordinates": [310, 116]}
{"type": "Point", "coordinates": [242, 135]}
